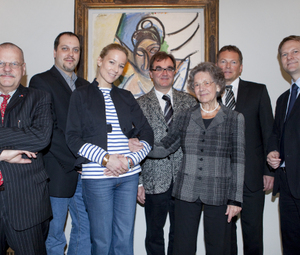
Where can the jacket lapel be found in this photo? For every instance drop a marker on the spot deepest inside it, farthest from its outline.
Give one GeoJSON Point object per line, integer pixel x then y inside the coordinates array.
{"type": "Point", "coordinates": [241, 99]}
{"type": "Point", "coordinates": [60, 80]}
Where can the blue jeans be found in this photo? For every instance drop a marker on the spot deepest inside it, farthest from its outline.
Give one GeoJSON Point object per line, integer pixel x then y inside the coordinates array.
{"type": "Point", "coordinates": [80, 243]}
{"type": "Point", "coordinates": [111, 207]}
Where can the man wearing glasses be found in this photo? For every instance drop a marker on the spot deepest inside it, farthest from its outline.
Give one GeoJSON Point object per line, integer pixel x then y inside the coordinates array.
{"type": "Point", "coordinates": [161, 106]}
{"type": "Point", "coordinates": [26, 127]}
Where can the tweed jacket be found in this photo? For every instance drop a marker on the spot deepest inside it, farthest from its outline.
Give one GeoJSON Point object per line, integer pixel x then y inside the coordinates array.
{"type": "Point", "coordinates": [213, 162]}
{"type": "Point", "coordinates": [158, 174]}
{"type": "Point", "coordinates": [27, 126]}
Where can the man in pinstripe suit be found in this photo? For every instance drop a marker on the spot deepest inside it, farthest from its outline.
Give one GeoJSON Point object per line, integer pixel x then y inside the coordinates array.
{"type": "Point", "coordinates": [26, 128]}
{"type": "Point", "coordinates": [158, 175]}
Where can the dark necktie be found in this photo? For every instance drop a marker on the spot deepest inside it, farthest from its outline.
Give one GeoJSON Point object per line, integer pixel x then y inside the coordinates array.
{"type": "Point", "coordinates": [229, 97]}
{"type": "Point", "coordinates": [293, 98]}
{"type": "Point", "coordinates": [3, 107]}
{"type": "Point", "coordinates": [168, 112]}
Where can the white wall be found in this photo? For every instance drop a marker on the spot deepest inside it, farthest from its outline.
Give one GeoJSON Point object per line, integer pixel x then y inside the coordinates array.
{"type": "Point", "coordinates": [255, 26]}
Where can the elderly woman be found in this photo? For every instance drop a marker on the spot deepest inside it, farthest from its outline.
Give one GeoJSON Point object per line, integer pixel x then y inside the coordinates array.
{"type": "Point", "coordinates": [101, 119]}
{"type": "Point", "coordinates": [212, 171]}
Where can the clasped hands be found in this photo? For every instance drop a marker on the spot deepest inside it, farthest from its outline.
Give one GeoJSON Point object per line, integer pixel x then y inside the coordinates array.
{"type": "Point", "coordinates": [116, 165]}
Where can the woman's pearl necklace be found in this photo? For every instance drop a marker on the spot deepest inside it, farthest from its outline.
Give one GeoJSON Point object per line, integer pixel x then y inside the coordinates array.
{"type": "Point", "coordinates": [209, 111]}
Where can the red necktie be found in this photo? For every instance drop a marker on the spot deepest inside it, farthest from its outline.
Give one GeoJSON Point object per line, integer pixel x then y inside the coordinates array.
{"type": "Point", "coordinates": [3, 108]}
{"type": "Point", "coordinates": [3, 105]}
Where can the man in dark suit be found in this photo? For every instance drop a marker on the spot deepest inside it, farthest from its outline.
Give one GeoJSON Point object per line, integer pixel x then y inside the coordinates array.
{"type": "Point", "coordinates": [65, 182]}
{"type": "Point", "coordinates": [252, 100]}
{"type": "Point", "coordinates": [26, 126]}
{"type": "Point", "coordinates": [158, 175]}
{"type": "Point", "coordinates": [284, 148]}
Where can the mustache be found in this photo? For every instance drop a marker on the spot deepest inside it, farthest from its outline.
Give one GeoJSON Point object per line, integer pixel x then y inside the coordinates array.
{"type": "Point", "coordinates": [68, 58]}
{"type": "Point", "coordinates": [7, 74]}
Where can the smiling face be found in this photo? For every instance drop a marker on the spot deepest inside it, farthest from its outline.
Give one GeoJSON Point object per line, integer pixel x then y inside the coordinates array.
{"type": "Point", "coordinates": [163, 81]}
{"type": "Point", "coordinates": [110, 67]}
{"type": "Point", "coordinates": [230, 65]}
{"type": "Point", "coordinates": [67, 54]}
{"type": "Point", "coordinates": [10, 78]}
{"type": "Point", "coordinates": [205, 88]}
{"type": "Point", "coordinates": [290, 58]}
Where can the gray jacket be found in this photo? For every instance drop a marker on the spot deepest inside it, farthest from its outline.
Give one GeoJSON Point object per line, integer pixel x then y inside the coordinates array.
{"type": "Point", "coordinates": [157, 174]}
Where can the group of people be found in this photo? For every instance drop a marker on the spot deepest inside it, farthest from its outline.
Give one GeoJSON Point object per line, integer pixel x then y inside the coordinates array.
{"type": "Point", "coordinates": [92, 149]}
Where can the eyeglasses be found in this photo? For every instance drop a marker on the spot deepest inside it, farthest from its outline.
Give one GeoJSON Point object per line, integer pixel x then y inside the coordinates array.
{"type": "Point", "coordinates": [204, 83]}
{"type": "Point", "coordinates": [12, 65]}
{"type": "Point", "coordinates": [160, 69]}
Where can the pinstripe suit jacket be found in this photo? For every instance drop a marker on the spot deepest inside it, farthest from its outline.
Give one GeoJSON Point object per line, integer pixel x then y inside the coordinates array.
{"type": "Point", "coordinates": [213, 162]}
{"type": "Point", "coordinates": [27, 126]}
{"type": "Point", "coordinates": [157, 174]}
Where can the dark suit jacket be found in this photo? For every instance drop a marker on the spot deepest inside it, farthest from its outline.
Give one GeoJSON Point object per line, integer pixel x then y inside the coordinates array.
{"type": "Point", "coordinates": [59, 160]}
{"type": "Point", "coordinates": [27, 126]}
{"type": "Point", "coordinates": [291, 143]}
{"type": "Point", "coordinates": [254, 103]}
{"type": "Point", "coordinates": [213, 162]}
{"type": "Point", "coordinates": [87, 119]}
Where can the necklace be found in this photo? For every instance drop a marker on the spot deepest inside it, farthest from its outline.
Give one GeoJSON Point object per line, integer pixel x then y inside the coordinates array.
{"type": "Point", "coordinates": [209, 111]}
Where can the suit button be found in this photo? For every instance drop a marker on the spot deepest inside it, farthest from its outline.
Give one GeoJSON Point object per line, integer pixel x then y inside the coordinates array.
{"type": "Point", "coordinates": [201, 159]}
{"type": "Point", "coordinates": [203, 133]}
{"type": "Point", "coordinates": [203, 140]}
{"type": "Point", "coordinates": [167, 130]}
{"type": "Point", "coordinates": [168, 157]}
{"type": "Point", "coordinates": [201, 150]}
{"type": "Point", "coordinates": [200, 168]}
{"type": "Point", "coordinates": [199, 178]}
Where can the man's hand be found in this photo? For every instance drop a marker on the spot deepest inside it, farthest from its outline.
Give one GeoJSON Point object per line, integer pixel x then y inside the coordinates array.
{"type": "Point", "coordinates": [116, 165]}
{"type": "Point", "coordinates": [135, 145]}
{"type": "Point", "coordinates": [15, 156]}
{"type": "Point", "coordinates": [268, 182]}
{"type": "Point", "coordinates": [141, 195]}
{"type": "Point", "coordinates": [232, 211]}
{"type": "Point", "coordinates": [273, 159]}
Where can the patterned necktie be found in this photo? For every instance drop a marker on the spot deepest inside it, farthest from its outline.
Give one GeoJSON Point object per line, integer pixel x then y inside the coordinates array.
{"type": "Point", "coordinates": [3, 105]}
{"type": "Point", "coordinates": [229, 97]}
{"type": "Point", "coordinates": [168, 112]}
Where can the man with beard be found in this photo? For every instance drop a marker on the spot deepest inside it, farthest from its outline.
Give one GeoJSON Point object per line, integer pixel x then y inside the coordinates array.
{"type": "Point", "coordinates": [65, 182]}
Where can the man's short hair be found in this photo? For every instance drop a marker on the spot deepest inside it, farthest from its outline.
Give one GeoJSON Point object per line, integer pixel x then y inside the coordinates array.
{"type": "Point", "coordinates": [288, 38]}
{"type": "Point", "coordinates": [161, 55]}
{"type": "Point", "coordinates": [12, 45]}
{"type": "Point", "coordinates": [231, 48]}
{"type": "Point", "coordinates": [56, 41]}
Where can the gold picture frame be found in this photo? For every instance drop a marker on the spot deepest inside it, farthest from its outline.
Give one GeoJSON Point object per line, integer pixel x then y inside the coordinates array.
{"type": "Point", "coordinates": [209, 8]}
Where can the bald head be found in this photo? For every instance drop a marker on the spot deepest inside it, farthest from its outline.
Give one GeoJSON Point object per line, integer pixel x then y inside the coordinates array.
{"type": "Point", "coordinates": [7, 45]}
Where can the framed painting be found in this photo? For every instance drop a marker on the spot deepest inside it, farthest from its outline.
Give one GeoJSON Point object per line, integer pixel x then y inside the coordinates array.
{"type": "Point", "coordinates": [186, 28]}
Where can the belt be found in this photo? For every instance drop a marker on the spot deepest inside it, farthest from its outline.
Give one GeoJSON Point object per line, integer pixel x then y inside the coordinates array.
{"type": "Point", "coordinates": [1, 187]}
{"type": "Point", "coordinates": [283, 169]}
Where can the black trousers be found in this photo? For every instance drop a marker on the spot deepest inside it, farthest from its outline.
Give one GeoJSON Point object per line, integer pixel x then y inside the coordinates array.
{"type": "Point", "coordinates": [216, 228]}
{"type": "Point", "coordinates": [157, 207]}
{"type": "Point", "coordinates": [289, 217]}
{"type": "Point", "coordinates": [252, 223]}
{"type": "Point", "coordinates": [26, 242]}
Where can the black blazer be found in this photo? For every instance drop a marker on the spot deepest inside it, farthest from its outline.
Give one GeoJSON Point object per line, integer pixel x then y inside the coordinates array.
{"type": "Point", "coordinates": [87, 120]}
{"type": "Point", "coordinates": [253, 102]}
{"type": "Point", "coordinates": [59, 160]}
{"type": "Point", "coordinates": [291, 143]}
{"type": "Point", "coordinates": [27, 126]}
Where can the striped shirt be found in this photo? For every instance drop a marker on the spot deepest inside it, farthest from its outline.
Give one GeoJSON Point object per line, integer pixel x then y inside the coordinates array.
{"type": "Point", "coordinates": [117, 143]}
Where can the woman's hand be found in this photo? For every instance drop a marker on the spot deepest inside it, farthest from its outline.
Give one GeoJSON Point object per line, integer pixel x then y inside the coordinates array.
{"type": "Point", "coordinates": [116, 165]}
{"type": "Point", "coordinates": [15, 156]}
{"type": "Point", "coordinates": [232, 211]}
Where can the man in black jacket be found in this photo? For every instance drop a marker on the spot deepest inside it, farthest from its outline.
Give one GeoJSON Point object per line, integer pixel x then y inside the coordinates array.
{"type": "Point", "coordinates": [65, 182]}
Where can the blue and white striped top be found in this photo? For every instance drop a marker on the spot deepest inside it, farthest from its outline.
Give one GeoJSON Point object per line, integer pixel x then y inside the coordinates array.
{"type": "Point", "coordinates": [117, 143]}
